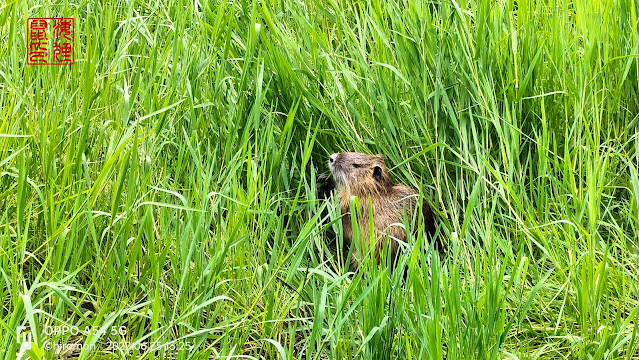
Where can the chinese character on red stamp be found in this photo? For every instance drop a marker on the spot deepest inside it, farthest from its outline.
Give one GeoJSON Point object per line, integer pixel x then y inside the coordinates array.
{"type": "Point", "coordinates": [50, 41]}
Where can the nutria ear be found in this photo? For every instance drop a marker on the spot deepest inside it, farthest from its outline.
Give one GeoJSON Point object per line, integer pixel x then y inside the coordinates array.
{"type": "Point", "coordinates": [377, 173]}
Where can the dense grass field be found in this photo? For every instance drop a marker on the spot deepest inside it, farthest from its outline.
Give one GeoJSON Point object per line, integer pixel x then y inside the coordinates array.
{"type": "Point", "coordinates": [164, 184]}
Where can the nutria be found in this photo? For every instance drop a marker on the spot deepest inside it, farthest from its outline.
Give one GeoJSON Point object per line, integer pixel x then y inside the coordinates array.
{"type": "Point", "coordinates": [367, 177]}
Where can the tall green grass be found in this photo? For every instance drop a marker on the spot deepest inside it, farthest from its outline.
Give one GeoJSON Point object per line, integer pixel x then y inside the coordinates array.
{"type": "Point", "coordinates": [165, 182]}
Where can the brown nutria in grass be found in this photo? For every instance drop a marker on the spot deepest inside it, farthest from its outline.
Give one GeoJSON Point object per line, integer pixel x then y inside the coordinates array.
{"type": "Point", "coordinates": [367, 177]}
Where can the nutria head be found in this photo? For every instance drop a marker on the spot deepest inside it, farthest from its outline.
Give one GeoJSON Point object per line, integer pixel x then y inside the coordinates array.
{"type": "Point", "coordinates": [360, 173]}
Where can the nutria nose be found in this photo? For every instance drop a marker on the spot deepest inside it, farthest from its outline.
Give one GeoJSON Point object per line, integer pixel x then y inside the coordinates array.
{"type": "Point", "coordinates": [332, 159]}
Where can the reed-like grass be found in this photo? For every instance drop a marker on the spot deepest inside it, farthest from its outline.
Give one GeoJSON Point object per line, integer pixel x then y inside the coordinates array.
{"type": "Point", "coordinates": [165, 182]}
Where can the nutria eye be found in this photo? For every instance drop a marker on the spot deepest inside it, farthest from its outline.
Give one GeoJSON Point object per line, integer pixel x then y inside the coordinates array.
{"type": "Point", "coordinates": [356, 165]}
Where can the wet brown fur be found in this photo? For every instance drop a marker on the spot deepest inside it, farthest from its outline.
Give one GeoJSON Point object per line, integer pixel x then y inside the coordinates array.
{"type": "Point", "coordinates": [356, 175]}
